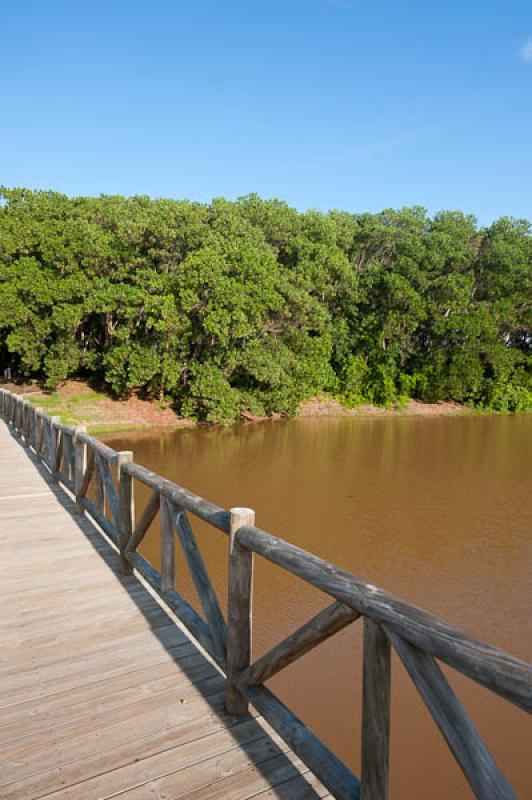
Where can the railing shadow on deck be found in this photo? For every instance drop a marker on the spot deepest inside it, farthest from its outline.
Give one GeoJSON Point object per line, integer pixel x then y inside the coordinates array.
{"type": "Point", "coordinates": [421, 640]}
{"type": "Point", "coordinates": [245, 730]}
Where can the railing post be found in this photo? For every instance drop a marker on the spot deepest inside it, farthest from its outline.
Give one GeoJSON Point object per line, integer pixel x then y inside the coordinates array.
{"type": "Point", "coordinates": [16, 415]}
{"type": "Point", "coordinates": [127, 508]}
{"type": "Point", "coordinates": [239, 610]}
{"type": "Point", "coordinates": [167, 546]}
{"type": "Point", "coordinates": [99, 485]}
{"type": "Point", "coordinates": [31, 423]}
{"type": "Point", "coordinates": [80, 465]}
{"type": "Point", "coordinates": [53, 439]}
{"type": "Point", "coordinates": [38, 430]}
{"type": "Point", "coordinates": [375, 712]}
{"type": "Point", "coordinates": [25, 422]}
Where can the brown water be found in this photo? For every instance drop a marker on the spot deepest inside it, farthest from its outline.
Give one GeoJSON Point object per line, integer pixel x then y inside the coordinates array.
{"type": "Point", "coordinates": [436, 510]}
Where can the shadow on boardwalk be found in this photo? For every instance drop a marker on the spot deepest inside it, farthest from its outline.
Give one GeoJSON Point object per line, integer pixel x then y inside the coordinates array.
{"type": "Point", "coordinates": [207, 755]}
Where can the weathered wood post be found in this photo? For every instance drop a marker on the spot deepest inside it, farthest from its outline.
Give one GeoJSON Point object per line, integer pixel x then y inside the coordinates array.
{"type": "Point", "coordinates": [38, 430]}
{"type": "Point", "coordinates": [80, 465]}
{"type": "Point", "coordinates": [26, 408]}
{"type": "Point", "coordinates": [17, 425]}
{"type": "Point", "coordinates": [167, 546]}
{"type": "Point", "coordinates": [375, 712]}
{"type": "Point", "coordinates": [31, 424]}
{"type": "Point", "coordinates": [69, 455]}
{"type": "Point", "coordinates": [58, 439]}
{"type": "Point", "coordinates": [21, 417]}
{"type": "Point", "coordinates": [54, 441]}
{"type": "Point", "coordinates": [239, 610]}
{"type": "Point", "coordinates": [99, 485]}
{"type": "Point", "coordinates": [126, 508]}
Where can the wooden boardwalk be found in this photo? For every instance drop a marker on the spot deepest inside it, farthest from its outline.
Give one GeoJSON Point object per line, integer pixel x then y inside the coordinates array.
{"type": "Point", "coordinates": [102, 693]}
{"type": "Point", "coordinates": [112, 685]}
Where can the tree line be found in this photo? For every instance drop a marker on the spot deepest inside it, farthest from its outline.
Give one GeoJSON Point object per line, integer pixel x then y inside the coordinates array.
{"type": "Point", "coordinates": [251, 306]}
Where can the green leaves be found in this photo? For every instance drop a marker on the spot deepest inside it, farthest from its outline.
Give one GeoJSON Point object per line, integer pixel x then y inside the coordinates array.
{"type": "Point", "coordinates": [250, 306]}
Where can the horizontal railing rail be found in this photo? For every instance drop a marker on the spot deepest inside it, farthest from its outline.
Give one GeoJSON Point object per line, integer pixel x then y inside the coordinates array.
{"type": "Point", "coordinates": [421, 640]}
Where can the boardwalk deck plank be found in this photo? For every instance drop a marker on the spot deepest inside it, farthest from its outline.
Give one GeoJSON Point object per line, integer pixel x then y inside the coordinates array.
{"type": "Point", "coordinates": [101, 693]}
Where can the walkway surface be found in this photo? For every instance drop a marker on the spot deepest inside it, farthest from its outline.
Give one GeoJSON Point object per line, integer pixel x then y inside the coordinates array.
{"type": "Point", "coordinates": [101, 693]}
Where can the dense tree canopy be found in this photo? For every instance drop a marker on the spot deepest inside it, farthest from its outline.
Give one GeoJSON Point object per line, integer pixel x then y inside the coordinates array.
{"type": "Point", "coordinates": [252, 306]}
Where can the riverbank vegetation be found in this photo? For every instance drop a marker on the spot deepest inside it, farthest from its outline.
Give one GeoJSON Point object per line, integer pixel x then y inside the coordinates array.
{"type": "Point", "coordinates": [252, 307]}
{"type": "Point", "coordinates": [76, 403]}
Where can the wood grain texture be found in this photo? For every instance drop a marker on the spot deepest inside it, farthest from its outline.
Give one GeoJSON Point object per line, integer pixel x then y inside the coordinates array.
{"type": "Point", "coordinates": [68, 456]}
{"type": "Point", "coordinates": [48, 441]}
{"type": "Point", "coordinates": [493, 668]}
{"type": "Point", "coordinates": [58, 454]}
{"type": "Point", "coordinates": [167, 546]}
{"type": "Point", "coordinates": [239, 610]}
{"type": "Point", "coordinates": [100, 692]}
{"type": "Point", "coordinates": [87, 470]}
{"type": "Point", "coordinates": [332, 619]}
{"type": "Point", "coordinates": [376, 691]}
{"type": "Point", "coordinates": [36, 425]}
{"type": "Point", "coordinates": [181, 497]}
{"type": "Point", "coordinates": [126, 508]}
{"type": "Point", "coordinates": [102, 449]}
{"type": "Point", "coordinates": [202, 582]}
{"type": "Point", "coordinates": [465, 742]}
{"type": "Point", "coordinates": [80, 467]}
{"type": "Point", "coordinates": [99, 484]}
{"type": "Point", "coordinates": [183, 611]}
{"type": "Point", "coordinates": [100, 520]}
{"type": "Point", "coordinates": [110, 489]}
{"type": "Point", "coordinates": [40, 433]}
{"type": "Point", "coordinates": [150, 511]}
{"type": "Point", "coordinates": [126, 626]}
{"type": "Point", "coordinates": [332, 773]}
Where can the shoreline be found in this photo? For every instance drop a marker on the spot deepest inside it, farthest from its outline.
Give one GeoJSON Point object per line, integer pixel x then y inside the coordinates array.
{"type": "Point", "coordinates": [77, 403]}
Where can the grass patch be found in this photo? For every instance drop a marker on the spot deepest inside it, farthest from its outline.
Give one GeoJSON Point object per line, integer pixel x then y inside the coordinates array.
{"type": "Point", "coordinates": [116, 428]}
{"type": "Point", "coordinates": [78, 399]}
{"type": "Point", "coordinates": [97, 410]}
{"type": "Point", "coordinates": [47, 401]}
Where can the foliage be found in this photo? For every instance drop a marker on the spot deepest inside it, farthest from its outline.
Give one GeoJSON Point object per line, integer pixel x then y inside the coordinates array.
{"type": "Point", "coordinates": [250, 306]}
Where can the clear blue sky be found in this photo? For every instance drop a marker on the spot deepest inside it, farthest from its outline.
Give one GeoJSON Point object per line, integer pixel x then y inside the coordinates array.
{"type": "Point", "coordinates": [324, 103]}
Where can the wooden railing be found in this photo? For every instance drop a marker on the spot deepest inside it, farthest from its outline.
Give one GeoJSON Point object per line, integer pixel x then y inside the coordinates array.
{"type": "Point", "coordinates": [78, 460]}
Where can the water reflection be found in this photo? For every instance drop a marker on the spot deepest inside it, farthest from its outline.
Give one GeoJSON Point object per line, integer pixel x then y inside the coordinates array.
{"type": "Point", "coordinates": [436, 510]}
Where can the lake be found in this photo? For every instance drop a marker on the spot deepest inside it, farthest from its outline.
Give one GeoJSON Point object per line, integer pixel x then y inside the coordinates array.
{"type": "Point", "coordinates": [434, 509]}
